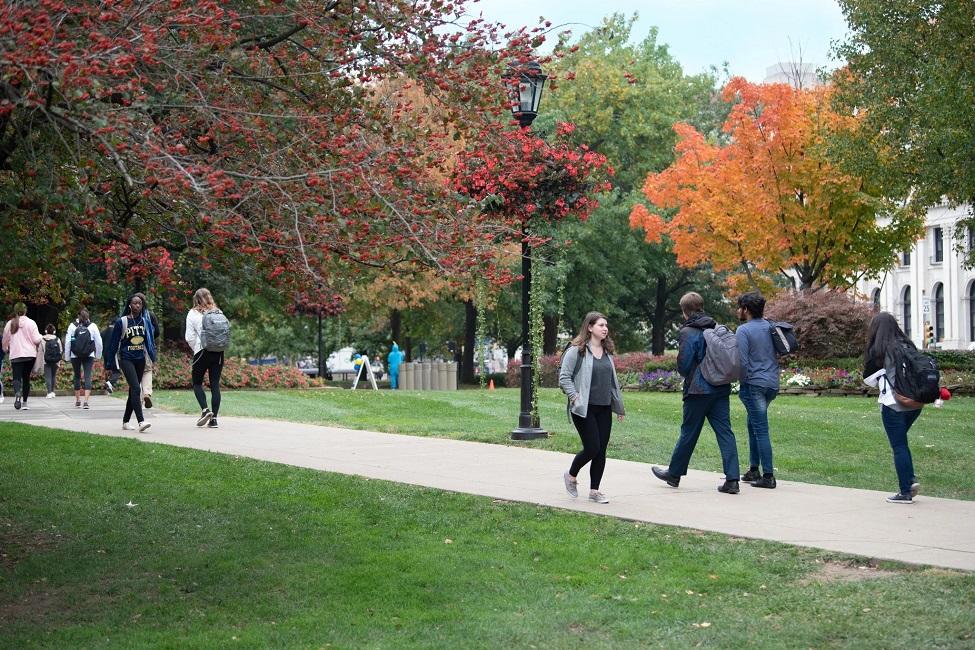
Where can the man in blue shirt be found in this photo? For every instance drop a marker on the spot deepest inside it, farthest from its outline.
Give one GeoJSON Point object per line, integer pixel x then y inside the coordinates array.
{"type": "Point", "coordinates": [759, 385]}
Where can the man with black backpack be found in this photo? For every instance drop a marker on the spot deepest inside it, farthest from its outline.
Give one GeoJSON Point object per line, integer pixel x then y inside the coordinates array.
{"type": "Point", "coordinates": [707, 359]}
{"type": "Point", "coordinates": [759, 384]}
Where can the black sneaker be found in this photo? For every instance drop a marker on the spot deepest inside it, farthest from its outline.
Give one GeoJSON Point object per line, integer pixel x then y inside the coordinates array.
{"type": "Point", "coordinates": [212, 424]}
{"type": "Point", "coordinates": [767, 481]}
{"type": "Point", "coordinates": [900, 498]}
{"type": "Point", "coordinates": [729, 487]}
{"type": "Point", "coordinates": [109, 388]}
{"type": "Point", "coordinates": [17, 401]}
{"type": "Point", "coordinates": [204, 418]}
{"type": "Point", "coordinates": [752, 475]}
{"type": "Point", "coordinates": [664, 475]}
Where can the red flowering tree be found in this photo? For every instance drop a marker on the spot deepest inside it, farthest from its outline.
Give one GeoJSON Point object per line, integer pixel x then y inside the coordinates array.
{"type": "Point", "coordinates": [153, 139]}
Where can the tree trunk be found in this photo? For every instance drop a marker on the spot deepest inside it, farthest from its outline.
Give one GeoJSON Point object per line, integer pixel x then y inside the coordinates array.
{"type": "Point", "coordinates": [470, 342]}
{"type": "Point", "coordinates": [550, 334]}
{"type": "Point", "coordinates": [395, 324]}
{"type": "Point", "coordinates": [659, 321]}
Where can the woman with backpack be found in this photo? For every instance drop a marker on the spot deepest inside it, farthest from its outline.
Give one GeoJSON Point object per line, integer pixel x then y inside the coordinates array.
{"type": "Point", "coordinates": [207, 333]}
{"type": "Point", "coordinates": [82, 345]}
{"type": "Point", "coordinates": [20, 341]}
{"type": "Point", "coordinates": [130, 344]}
{"type": "Point", "coordinates": [588, 376]}
{"type": "Point", "coordinates": [886, 342]}
{"type": "Point", "coordinates": [52, 358]}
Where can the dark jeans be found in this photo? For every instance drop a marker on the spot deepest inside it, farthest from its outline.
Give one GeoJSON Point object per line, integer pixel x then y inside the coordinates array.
{"type": "Point", "coordinates": [756, 400]}
{"type": "Point", "coordinates": [20, 369]}
{"type": "Point", "coordinates": [133, 377]}
{"type": "Point", "coordinates": [897, 424]}
{"type": "Point", "coordinates": [716, 408]}
{"type": "Point", "coordinates": [594, 431]}
{"type": "Point", "coordinates": [50, 375]}
{"type": "Point", "coordinates": [82, 364]}
{"type": "Point", "coordinates": [210, 363]}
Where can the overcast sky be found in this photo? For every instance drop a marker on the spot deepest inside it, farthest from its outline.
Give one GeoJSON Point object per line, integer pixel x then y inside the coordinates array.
{"type": "Point", "coordinates": [750, 35]}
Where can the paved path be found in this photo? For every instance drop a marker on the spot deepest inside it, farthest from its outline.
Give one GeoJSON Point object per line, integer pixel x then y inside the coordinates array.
{"type": "Point", "coordinates": [939, 532]}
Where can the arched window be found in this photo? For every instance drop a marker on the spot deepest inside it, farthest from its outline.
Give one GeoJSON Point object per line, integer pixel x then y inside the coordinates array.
{"type": "Point", "coordinates": [971, 312]}
{"type": "Point", "coordinates": [876, 298]}
{"type": "Point", "coordinates": [907, 311]}
{"type": "Point", "coordinates": [939, 311]}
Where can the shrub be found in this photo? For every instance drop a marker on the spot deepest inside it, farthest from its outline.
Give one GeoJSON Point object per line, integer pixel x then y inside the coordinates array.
{"type": "Point", "coordinates": [631, 364]}
{"type": "Point", "coordinates": [828, 323]}
{"type": "Point", "coordinates": [954, 359]}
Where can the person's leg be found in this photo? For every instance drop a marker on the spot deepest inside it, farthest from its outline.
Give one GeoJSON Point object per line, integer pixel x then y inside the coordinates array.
{"type": "Point", "coordinates": [393, 377]}
{"type": "Point", "coordinates": [147, 379]}
{"type": "Point", "coordinates": [49, 370]}
{"type": "Point", "coordinates": [695, 409]}
{"type": "Point", "coordinates": [719, 417]}
{"type": "Point", "coordinates": [198, 371]}
{"type": "Point", "coordinates": [744, 394]}
{"type": "Point", "coordinates": [896, 425]}
{"type": "Point", "coordinates": [76, 379]}
{"type": "Point", "coordinates": [603, 417]}
{"type": "Point", "coordinates": [21, 373]}
{"type": "Point", "coordinates": [88, 365]}
{"type": "Point", "coordinates": [755, 400]}
{"type": "Point", "coordinates": [214, 368]}
{"type": "Point", "coordinates": [133, 374]}
{"type": "Point", "coordinates": [589, 435]}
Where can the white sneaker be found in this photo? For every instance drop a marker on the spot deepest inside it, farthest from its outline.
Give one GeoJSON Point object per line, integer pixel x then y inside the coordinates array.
{"type": "Point", "coordinates": [598, 497]}
{"type": "Point", "coordinates": [128, 426]}
{"type": "Point", "coordinates": [50, 396]}
{"type": "Point", "coordinates": [143, 426]}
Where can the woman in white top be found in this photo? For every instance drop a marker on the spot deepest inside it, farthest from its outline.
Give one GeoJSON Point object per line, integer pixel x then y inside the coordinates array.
{"type": "Point", "coordinates": [81, 349]}
{"type": "Point", "coordinates": [205, 362]}
{"type": "Point", "coordinates": [20, 341]}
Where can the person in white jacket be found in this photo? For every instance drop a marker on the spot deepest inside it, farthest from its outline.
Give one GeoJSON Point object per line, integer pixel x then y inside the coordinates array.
{"type": "Point", "coordinates": [205, 362]}
{"type": "Point", "coordinates": [89, 348]}
{"type": "Point", "coordinates": [20, 341]}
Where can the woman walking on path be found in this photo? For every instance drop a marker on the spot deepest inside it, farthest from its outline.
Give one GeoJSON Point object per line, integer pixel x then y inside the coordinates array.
{"type": "Point", "coordinates": [205, 362]}
{"type": "Point", "coordinates": [131, 342]}
{"type": "Point", "coordinates": [588, 376]}
{"type": "Point", "coordinates": [884, 337]}
{"type": "Point", "coordinates": [82, 345]}
{"type": "Point", "coordinates": [52, 358]}
{"type": "Point", "coordinates": [20, 341]}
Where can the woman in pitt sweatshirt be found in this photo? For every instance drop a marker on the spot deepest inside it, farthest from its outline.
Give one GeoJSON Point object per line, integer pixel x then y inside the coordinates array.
{"type": "Point", "coordinates": [130, 343]}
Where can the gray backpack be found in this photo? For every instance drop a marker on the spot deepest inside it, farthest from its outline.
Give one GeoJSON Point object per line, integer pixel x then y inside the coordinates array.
{"type": "Point", "coordinates": [721, 364]}
{"type": "Point", "coordinates": [215, 336]}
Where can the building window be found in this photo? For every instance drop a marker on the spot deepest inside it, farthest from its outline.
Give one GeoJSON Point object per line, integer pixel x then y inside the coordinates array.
{"type": "Point", "coordinates": [876, 298]}
{"type": "Point", "coordinates": [906, 258]}
{"type": "Point", "coordinates": [907, 311]}
{"type": "Point", "coordinates": [939, 312]}
{"type": "Point", "coordinates": [971, 238]}
{"type": "Point", "coordinates": [971, 312]}
{"type": "Point", "coordinates": [939, 245]}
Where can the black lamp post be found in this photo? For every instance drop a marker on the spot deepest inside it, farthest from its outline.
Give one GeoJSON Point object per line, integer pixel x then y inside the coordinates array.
{"type": "Point", "coordinates": [525, 84]}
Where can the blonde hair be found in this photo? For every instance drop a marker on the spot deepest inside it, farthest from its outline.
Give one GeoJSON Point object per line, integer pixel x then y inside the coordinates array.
{"type": "Point", "coordinates": [691, 303]}
{"type": "Point", "coordinates": [582, 338]}
{"type": "Point", "coordinates": [203, 300]}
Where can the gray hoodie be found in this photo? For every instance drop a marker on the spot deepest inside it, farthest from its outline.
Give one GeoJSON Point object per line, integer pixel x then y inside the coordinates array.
{"type": "Point", "coordinates": [579, 385]}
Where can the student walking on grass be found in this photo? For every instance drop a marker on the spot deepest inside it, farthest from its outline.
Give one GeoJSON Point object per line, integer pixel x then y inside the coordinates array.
{"type": "Point", "coordinates": [701, 400]}
{"type": "Point", "coordinates": [131, 343]}
{"type": "Point", "coordinates": [588, 376]}
{"type": "Point", "coordinates": [20, 341]}
{"type": "Point", "coordinates": [52, 358]}
{"type": "Point", "coordinates": [759, 385]}
{"type": "Point", "coordinates": [208, 334]}
{"type": "Point", "coordinates": [82, 345]}
{"type": "Point", "coordinates": [885, 341]}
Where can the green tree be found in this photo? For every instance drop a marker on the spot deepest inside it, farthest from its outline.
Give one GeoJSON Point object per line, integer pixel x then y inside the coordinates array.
{"type": "Point", "coordinates": [911, 69]}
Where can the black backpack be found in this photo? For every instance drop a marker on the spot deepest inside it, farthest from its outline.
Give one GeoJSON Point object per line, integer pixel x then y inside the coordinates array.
{"type": "Point", "coordinates": [52, 351]}
{"type": "Point", "coordinates": [783, 337]}
{"type": "Point", "coordinates": [916, 377]}
{"type": "Point", "coordinates": [82, 345]}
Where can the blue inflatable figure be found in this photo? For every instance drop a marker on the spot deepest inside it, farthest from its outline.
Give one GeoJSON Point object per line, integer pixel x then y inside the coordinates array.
{"type": "Point", "coordinates": [393, 360]}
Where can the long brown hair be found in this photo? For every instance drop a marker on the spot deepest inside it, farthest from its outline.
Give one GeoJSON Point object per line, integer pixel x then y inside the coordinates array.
{"type": "Point", "coordinates": [20, 309]}
{"type": "Point", "coordinates": [582, 338]}
{"type": "Point", "coordinates": [203, 300]}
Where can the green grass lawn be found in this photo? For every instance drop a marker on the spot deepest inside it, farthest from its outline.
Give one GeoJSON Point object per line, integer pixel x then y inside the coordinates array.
{"type": "Point", "coordinates": [221, 551]}
{"type": "Point", "coordinates": [827, 440]}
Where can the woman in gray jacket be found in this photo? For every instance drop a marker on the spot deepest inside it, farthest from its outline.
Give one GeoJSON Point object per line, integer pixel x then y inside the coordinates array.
{"type": "Point", "coordinates": [588, 377]}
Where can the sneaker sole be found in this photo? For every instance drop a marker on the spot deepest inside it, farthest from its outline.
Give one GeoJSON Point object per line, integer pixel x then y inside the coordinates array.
{"type": "Point", "coordinates": [144, 427]}
{"type": "Point", "coordinates": [204, 420]}
{"type": "Point", "coordinates": [900, 501]}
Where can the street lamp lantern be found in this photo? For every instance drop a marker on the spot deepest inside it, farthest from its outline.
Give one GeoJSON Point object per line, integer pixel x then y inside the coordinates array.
{"type": "Point", "coordinates": [525, 84]}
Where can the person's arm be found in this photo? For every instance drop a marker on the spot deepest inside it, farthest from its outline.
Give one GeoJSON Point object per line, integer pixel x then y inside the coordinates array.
{"type": "Point", "coordinates": [111, 354]}
{"type": "Point", "coordinates": [566, 369]}
{"type": "Point", "coordinates": [191, 335]}
{"type": "Point", "coordinates": [6, 337]}
{"type": "Point", "coordinates": [744, 349]}
{"type": "Point", "coordinates": [687, 351]}
{"type": "Point", "coordinates": [97, 337]}
{"type": "Point", "coordinates": [67, 342]}
{"type": "Point", "coordinates": [34, 333]}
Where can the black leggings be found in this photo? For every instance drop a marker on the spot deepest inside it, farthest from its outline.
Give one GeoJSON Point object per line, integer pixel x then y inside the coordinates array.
{"type": "Point", "coordinates": [206, 362]}
{"type": "Point", "coordinates": [20, 368]}
{"type": "Point", "coordinates": [82, 364]}
{"type": "Point", "coordinates": [133, 377]}
{"type": "Point", "coordinates": [594, 431]}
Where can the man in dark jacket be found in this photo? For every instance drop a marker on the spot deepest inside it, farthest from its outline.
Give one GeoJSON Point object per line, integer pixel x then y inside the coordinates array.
{"type": "Point", "coordinates": [701, 400]}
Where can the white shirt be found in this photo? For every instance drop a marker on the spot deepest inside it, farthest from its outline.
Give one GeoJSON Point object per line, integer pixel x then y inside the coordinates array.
{"type": "Point", "coordinates": [96, 336]}
{"type": "Point", "coordinates": [194, 330]}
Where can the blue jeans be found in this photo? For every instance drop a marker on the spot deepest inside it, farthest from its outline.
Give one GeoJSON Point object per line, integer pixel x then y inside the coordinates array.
{"type": "Point", "coordinates": [716, 408]}
{"type": "Point", "coordinates": [756, 400]}
{"type": "Point", "coordinates": [897, 424]}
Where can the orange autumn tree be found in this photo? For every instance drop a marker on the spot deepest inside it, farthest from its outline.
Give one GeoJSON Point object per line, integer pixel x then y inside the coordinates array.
{"type": "Point", "coordinates": [770, 201]}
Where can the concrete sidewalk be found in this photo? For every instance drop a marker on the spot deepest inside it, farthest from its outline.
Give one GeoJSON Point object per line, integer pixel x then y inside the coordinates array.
{"type": "Point", "coordinates": [939, 532]}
